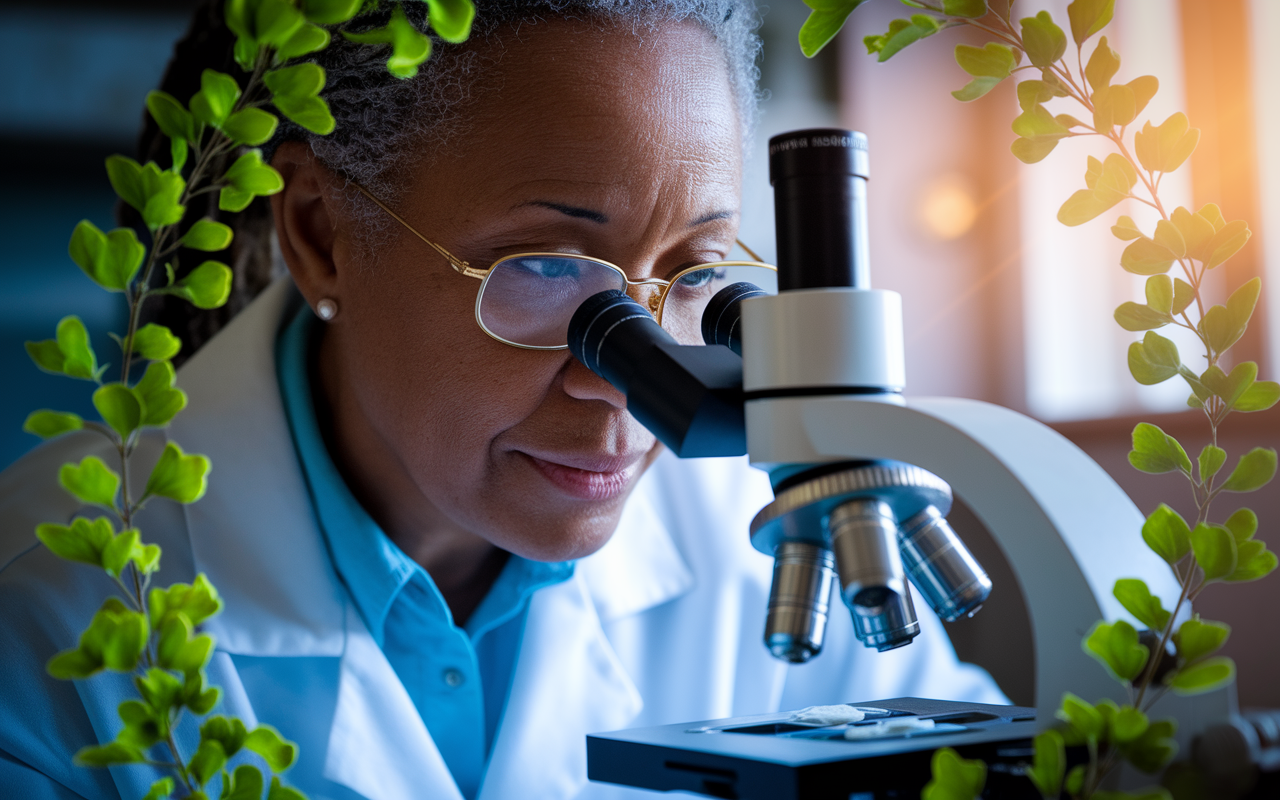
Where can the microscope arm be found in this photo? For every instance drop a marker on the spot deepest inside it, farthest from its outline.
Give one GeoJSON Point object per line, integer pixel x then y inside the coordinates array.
{"type": "Point", "coordinates": [1066, 528]}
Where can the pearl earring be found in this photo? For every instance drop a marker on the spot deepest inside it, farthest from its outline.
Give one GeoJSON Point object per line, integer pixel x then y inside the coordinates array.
{"type": "Point", "coordinates": [326, 309]}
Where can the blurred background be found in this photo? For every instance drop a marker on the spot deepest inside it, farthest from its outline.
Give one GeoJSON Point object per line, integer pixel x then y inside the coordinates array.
{"type": "Point", "coordinates": [1003, 303]}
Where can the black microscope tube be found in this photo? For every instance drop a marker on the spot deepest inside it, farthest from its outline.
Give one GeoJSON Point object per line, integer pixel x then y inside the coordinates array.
{"type": "Point", "coordinates": [819, 178]}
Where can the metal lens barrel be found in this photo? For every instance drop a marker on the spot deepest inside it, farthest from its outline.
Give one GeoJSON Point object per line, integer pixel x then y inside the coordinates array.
{"type": "Point", "coordinates": [799, 601]}
{"type": "Point", "coordinates": [941, 567]}
{"type": "Point", "coordinates": [864, 538]}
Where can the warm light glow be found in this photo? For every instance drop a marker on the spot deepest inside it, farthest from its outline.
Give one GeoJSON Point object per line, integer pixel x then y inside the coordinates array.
{"type": "Point", "coordinates": [947, 207]}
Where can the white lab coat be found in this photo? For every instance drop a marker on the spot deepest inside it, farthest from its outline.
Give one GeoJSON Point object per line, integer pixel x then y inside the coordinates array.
{"type": "Point", "coordinates": [662, 625]}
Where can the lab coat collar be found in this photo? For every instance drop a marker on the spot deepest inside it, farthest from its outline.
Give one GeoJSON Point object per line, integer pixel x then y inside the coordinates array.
{"type": "Point", "coordinates": [255, 522]}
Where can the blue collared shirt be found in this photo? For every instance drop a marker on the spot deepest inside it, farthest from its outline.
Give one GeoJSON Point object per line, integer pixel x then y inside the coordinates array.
{"type": "Point", "coordinates": [457, 677]}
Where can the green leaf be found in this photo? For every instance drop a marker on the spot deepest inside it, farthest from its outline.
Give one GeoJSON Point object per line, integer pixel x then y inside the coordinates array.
{"type": "Point", "coordinates": [1197, 638]}
{"type": "Point", "coordinates": [156, 342]}
{"type": "Point", "coordinates": [1032, 93]}
{"type": "Point", "coordinates": [174, 120]}
{"type": "Point", "coordinates": [163, 790]}
{"type": "Point", "coordinates": [1197, 231]}
{"type": "Point", "coordinates": [114, 640]}
{"type": "Point", "coordinates": [826, 18]}
{"type": "Point", "coordinates": [902, 32]}
{"type": "Point", "coordinates": [1253, 561]}
{"type": "Point", "coordinates": [330, 12]}
{"type": "Point", "coordinates": [1183, 295]}
{"type": "Point", "coordinates": [1136, 317]}
{"type": "Point", "coordinates": [206, 286]}
{"type": "Point", "coordinates": [976, 88]}
{"type": "Point", "coordinates": [208, 235]}
{"type": "Point", "coordinates": [150, 190]}
{"type": "Point", "coordinates": [279, 791]}
{"type": "Point", "coordinates": [1230, 387]}
{"type": "Point", "coordinates": [1211, 460]}
{"type": "Point", "coordinates": [69, 354]}
{"type": "Point", "coordinates": [1050, 764]}
{"type": "Point", "coordinates": [1144, 88]}
{"type": "Point", "coordinates": [1137, 599]}
{"type": "Point", "coordinates": [251, 126]}
{"type": "Point", "coordinates": [1215, 551]}
{"type": "Point", "coordinates": [1126, 229]}
{"type": "Point", "coordinates": [1116, 646]}
{"type": "Point", "coordinates": [159, 397]}
{"type": "Point", "coordinates": [1259, 397]}
{"type": "Point", "coordinates": [143, 726]}
{"type": "Point", "coordinates": [409, 47]}
{"type": "Point", "coordinates": [178, 476]}
{"type": "Point", "coordinates": [111, 260]}
{"type": "Point", "coordinates": [1087, 18]}
{"type": "Point", "coordinates": [91, 482]}
{"type": "Point", "coordinates": [1043, 39]}
{"type": "Point", "coordinates": [127, 548]}
{"type": "Point", "coordinates": [178, 153]}
{"type": "Point", "coordinates": [1210, 674]}
{"type": "Point", "coordinates": [247, 178]}
{"type": "Point", "coordinates": [1113, 105]}
{"type": "Point", "coordinates": [304, 41]}
{"type": "Point", "coordinates": [1111, 184]}
{"type": "Point", "coordinates": [107, 754]}
{"type": "Point", "coordinates": [1127, 725]}
{"type": "Point", "coordinates": [159, 689]}
{"type": "Point", "coordinates": [1102, 66]}
{"type": "Point", "coordinates": [1156, 452]}
{"type": "Point", "coordinates": [1167, 534]}
{"type": "Point", "coordinates": [1081, 716]}
{"type": "Point", "coordinates": [48, 424]}
{"type": "Point", "coordinates": [301, 80]}
{"type": "Point", "coordinates": [1075, 780]}
{"type": "Point", "coordinates": [1254, 470]}
{"type": "Point", "coordinates": [1151, 751]}
{"type": "Point", "coordinates": [1243, 524]}
{"type": "Point", "coordinates": [1213, 214]}
{"type": "Point", "coordinates": [196, 602]}
{"type": "Point", "coordinates": [230, 732]}
{"type": "Point", "coordinates": [1169, 237]}
{"type": "Point", "coordinates": [954, 778]}
{"type": "Point", "coordinates": [208, 761]}
{"type": "Point", "coordinates": [217, 96]}
{"type": "Point", "coordinates": [969, 9]}
{"type": "Point", "coordinates": [451, 19]}
{"type": "Point", "coordinates": [275, 750]}
{"type": "Point", "coordinates": [1146, 257]}
{"type": "Point", "coordinates": [989, 61]}
{"type": "Point", "coordinates": [246, 784]}
{"type": "Point", "coordinates": [1159, 291]}
{"type": "Point", "coordinates": [1227, 242]}
{"type": "Point", "coordinates": [83, 541]}
{"type": "Point", "coordinates": [1037, 122]}
{"type": "Point", "coordinates": [1153, 360]}
{"type": "Point", "coordinates": [1165, 148]}
{"type": "Point", "coordinates": [119, 408]}
{"type": "Point", "coordinates": [311, 113]}
{"type": "Point", "coordinates": [1033, 151]}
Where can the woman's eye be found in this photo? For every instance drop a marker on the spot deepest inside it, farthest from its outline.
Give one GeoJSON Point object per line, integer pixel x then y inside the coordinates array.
{"type": "Point", "coordinates": [700, 277]}
{"type": "Point", "coordinates": [551, 267]}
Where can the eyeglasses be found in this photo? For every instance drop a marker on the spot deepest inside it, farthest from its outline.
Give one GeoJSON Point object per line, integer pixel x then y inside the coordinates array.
{"type": "Point", "coordinates": [526, 300]}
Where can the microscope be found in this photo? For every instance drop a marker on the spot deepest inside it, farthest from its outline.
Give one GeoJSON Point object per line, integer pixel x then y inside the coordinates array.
{"type": "Point", "coordinates": [809, 382]}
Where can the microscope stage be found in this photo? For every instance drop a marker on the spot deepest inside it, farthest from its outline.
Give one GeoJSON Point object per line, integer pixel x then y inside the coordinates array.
{"type": "Point", "coordinates": [772, 757]}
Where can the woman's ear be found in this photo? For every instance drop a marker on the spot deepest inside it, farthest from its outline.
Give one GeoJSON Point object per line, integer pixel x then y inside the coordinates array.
{"type": "Point", "coordinates": [306, 223]}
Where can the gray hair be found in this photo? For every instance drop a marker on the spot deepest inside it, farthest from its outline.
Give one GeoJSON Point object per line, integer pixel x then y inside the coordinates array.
{"type": "Point", "coordinates": [382, 121]}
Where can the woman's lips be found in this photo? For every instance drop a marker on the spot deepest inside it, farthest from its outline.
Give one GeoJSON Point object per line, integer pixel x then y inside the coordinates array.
{"type": "Point", "coordinates": [589, 478]}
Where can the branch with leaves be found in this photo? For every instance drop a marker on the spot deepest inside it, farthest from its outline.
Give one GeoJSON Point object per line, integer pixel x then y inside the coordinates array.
{"type": "Point", "coordinates": [1200, 553]}
{"type": "Point", "coordinates": [150, 632]}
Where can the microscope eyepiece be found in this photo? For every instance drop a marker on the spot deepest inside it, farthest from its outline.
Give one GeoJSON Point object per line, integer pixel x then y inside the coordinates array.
{"type": "Point", "coordinates": [721, 321]}
{"type": "Point", "coordinates": [819, 179]}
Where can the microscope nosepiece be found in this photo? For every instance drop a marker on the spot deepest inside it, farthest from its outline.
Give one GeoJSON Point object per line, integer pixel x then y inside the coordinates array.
{"type": "Point", "coordinates": [864, 538]}
{"type": "Point", "coordinates": [799, 600]}
{"type": "Point", "coordinates": [941, 567]}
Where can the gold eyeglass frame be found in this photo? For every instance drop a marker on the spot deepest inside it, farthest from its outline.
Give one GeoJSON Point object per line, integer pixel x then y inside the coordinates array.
{"type": "Point", "coordinates": [657, 303]}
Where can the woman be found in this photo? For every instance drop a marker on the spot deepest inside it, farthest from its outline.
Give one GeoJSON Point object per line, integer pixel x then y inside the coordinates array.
{"type": "Point", "coordinates": [446, 559]}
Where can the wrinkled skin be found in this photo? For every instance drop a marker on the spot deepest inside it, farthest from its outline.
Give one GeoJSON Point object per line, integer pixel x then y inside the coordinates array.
{"type": "Point", "coordinates": [463, 448]}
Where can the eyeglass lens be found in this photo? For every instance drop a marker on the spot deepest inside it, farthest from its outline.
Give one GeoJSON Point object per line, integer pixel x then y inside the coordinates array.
{"type": "Point", "coordinates": [529, 300]}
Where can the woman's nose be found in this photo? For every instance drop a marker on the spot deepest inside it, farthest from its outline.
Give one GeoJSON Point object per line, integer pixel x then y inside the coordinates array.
{"type": "Point", "coordinates": [581, 383]}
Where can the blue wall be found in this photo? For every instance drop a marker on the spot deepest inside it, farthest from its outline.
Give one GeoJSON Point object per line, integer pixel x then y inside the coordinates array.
{"type": "Point", "coordinates": [74, 93]}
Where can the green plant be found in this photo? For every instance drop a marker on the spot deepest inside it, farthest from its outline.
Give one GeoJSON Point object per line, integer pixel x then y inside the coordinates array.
{"type": "Point", "coordinates": [153, 632]}
{"type": "Point", "coordinates": [1202, 552]}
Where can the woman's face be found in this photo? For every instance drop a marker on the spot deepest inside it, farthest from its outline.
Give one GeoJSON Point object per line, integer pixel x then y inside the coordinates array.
{"type": "Point", "coordinates": [584, 140]}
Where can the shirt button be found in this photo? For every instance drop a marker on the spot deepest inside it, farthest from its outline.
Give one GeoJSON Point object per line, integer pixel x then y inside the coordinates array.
{"type": "Point", "coordinates": [454, 678]}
